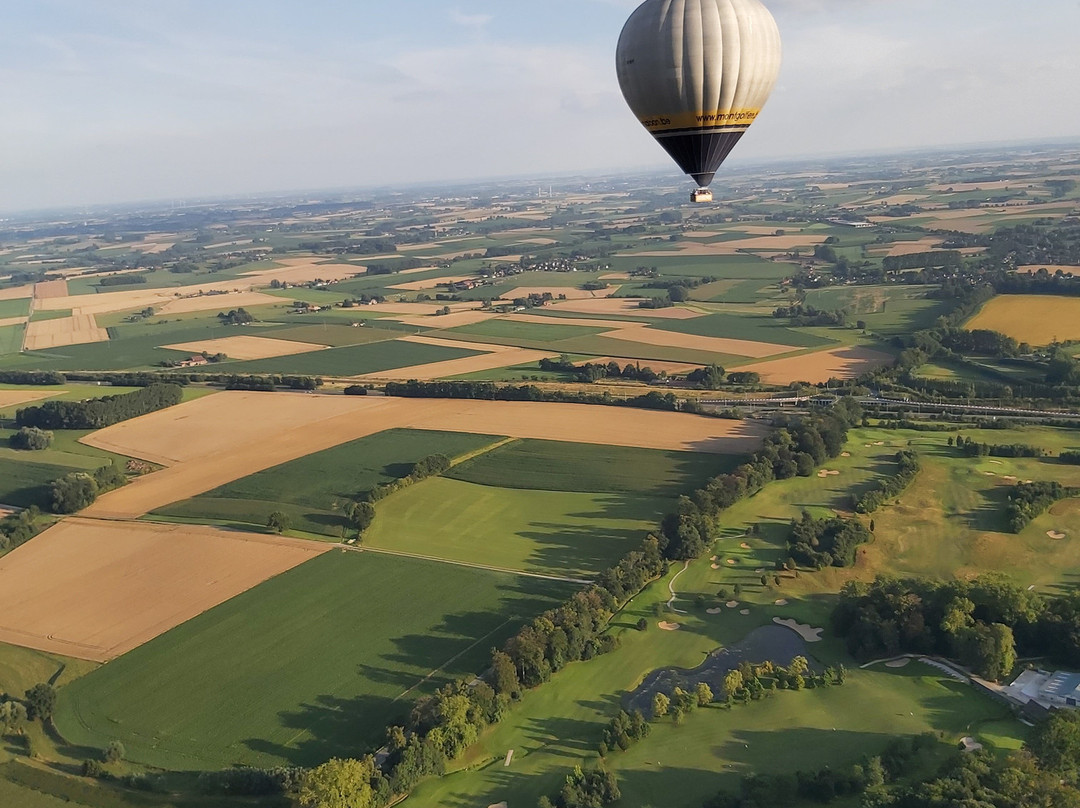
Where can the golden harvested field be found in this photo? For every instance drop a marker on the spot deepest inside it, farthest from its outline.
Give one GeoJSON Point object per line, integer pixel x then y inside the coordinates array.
{"type": "Point", "coordinates": [95, 590]}
{"type": "Point", "coordinates": [431, 283]}
{"type": "Point", "coordinates": [49, 289]}
{"type": "Point", "coordinates": [570, 292]}
{"type": "Point", "coordinates": [200, 297]}
{"type": "Point", "coordinates": [495, 356]}
{"type": "Point", "coordinates": [236, 300]}
{"type": "Point", "coordinates": [304, 270]}
{"type": "Point", "coordinates": [540, 319]}
{"type": "Point", "coordinates": [17, 292]}
{"type": "Point", "coordinates": [79, 329]}
{"type": "Point", "coordinates": [13, 321]}
{"type": "Point", "coordinates": [914, 247]}
{"type": "Point", "coordinates": [1051, 268]}
{"type": "Point", "coordinates": [213, 440]}
{"type": "Point", "coordinates": [672, 339]}
{"type": "Point", "coordinates": [839, 363]}
{"type": "Point", "coordinates": [1034, 319]}
{"type": "Point", "coordinates": [624, 305]}
{"type": "Point", "coordinates": [447, 320]}
{"type": "Point", "coordinates": [13, 398]}
{"type": "Point", "coordinates": [247, 347]}
{"type": "Point", "coordinates": [782, 243]}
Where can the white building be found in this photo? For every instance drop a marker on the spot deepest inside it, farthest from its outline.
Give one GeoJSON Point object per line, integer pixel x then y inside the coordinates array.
{"type": "Point", "coordinates": [1049, 690]}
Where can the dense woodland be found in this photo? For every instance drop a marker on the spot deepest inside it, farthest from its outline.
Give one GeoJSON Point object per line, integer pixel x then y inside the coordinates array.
{"type": "Point", "coordinates": [97, 413]}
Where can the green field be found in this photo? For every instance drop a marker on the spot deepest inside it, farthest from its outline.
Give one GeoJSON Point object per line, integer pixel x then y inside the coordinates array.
{"type": "Point", "coordinates": [528, 332]}
{"type": "Point", "coordinates": [11, 338]}
{"type": "Point", "coordinates": [753, 327]}
{"type": "Point", "coordinates": [14, 308]}
{"type": "Point", "coordinates": [548, 532]}
{"type": "Point", "coordinates": [311, 664]}
{"type": "Point", "coordinates": [724, 267]}
{"type": "Point", "coordinates": [25, 482]}
{"type": "Point", "coordinates": [336, 336]}
{"type": "Point", "coordinates": [355, 360]}
{"type": "Point", "coordinates": [561, 466]}
{"type": "Point", "coordinates": [314, 490]}
{"type": "Point", "coordinates": [22, 668]}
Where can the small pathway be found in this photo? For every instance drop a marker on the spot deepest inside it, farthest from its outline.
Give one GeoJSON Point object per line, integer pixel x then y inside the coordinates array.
{"type": "Point", "coordinates": [671, 589]}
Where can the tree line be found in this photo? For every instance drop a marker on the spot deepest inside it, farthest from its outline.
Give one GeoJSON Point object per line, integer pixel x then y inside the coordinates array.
{"type": "Point", "coordinates": [487, 391]}
{"type": "Point", "coordinates": [1028, 501]}
{"type": "Point", "coordinates": [983, 624]}
{"type": "Point", "coordinates": [970, 447]}
{"type": "Point", "coordinates": [890, 487]}
{"type": "Point", "coordinates": [442, 726]}
{"type": "Point", "coordinates": [591, 372]}
{"type": "Point", "coordinates": [829, 542]}
{"type": "Point", "coordinates": [99, 412]}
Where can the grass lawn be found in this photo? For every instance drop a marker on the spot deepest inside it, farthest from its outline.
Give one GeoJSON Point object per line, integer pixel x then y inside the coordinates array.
{"type": "Point", "coordinates": [723, 267]}
{"type": "Point", "coordinates": [315, 489]}
{"type": "Point", "coordinates": [22, 668]}
{"type": "Point", "coordinates": [560, 724]}
{"type": "Point", "coordinates": [354, 360]}
{"type": "Point", "coordinates": [25, 482]}
{"type": "Point", "coordinates": [548, 532]}
{"type": "Point", "coordinates": [561, 466]}
{"type": "Point", "coordinates": [311, 664]}
{"type": "Point", "coordinates": [754, 327]}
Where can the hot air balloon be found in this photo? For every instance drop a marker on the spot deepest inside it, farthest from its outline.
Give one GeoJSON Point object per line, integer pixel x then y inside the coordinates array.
{"type": "Point", "coordinates": [696, 73]}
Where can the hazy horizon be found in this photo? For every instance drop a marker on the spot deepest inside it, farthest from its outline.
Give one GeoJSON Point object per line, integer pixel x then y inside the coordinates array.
{"type": "Point", "coordinates": [112, 101]}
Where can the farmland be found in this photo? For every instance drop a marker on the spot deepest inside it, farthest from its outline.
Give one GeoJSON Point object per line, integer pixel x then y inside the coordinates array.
{"type": "Point", "coordinates": [314, 489]}
{"type": "Point", "coordinates": [176, 616]}
{"type": "Point", "coordinates": [333, 651]}
{"type": "Point", "coordinates": [1036, 320]}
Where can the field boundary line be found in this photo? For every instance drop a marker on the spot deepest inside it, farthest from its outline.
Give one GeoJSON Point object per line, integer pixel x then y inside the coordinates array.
{"type": "Point", "coordinates": [465, 458]}
{"type": "Point", "coordinates": [469, 564]}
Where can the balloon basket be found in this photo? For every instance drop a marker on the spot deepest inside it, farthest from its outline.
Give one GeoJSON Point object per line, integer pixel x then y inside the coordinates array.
{"type": "Point", "coordinates": [701, 196]}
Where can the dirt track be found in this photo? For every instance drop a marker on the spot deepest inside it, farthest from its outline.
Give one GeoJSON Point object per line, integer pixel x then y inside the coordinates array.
{"type": "Point", "coordinates": [95, 590]}
{"type": "Point", "coordinates": [214, 440]}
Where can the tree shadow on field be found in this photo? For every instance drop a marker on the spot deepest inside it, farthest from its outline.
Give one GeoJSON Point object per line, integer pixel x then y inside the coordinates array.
{"type": "Point", "coordinates": [596, 544]}
{"type": "Point", "coordinates": [989, 515]}
{"type": "Point", "coordinates": [333, 727]}
{"type": "Point", "coordinates": [564, 737]}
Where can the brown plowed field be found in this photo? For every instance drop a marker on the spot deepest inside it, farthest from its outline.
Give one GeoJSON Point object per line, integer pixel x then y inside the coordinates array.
{"type": "Point", "coordinates": [95, 590]}
{"type": "Point", "coordinates": [214, 440]}
{"type": "Point", "coordinates": [304, 270]}
{"type": "Point", "coordinates": [247, 347]}
{"type": "Point", "coordinates": [79, 329]}
{"type": "Point", "coordinates": [839, 363]}
{"type": "Point", "coordinates": [673, 339]}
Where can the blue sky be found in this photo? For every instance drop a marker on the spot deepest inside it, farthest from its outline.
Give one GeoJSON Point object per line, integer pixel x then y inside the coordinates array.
{"type": "Point", "coordinates": [111, 100]}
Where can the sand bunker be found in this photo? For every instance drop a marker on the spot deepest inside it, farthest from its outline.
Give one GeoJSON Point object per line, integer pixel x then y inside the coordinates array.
{"type": "Point", "coordinates": [716, 566]}
{"type": "Point", "coordinates": [845, 454]}
{"type": "Point", "coordinates": [744, 612]}
{"type": "Point", "coordinates": [246, 347]}
{"type": "Point", "coordinates": [95, 590]}
{"type": "Point", "coordinates": [780, 602]}
{"type": "Point", "coordinates": [668, 626]}
{"type": "Point", "coordinates": [1056, 535]}
{"type": "Point", "coordinates": [970, 745]}
{"type": "Point", "coordinates": [839, 363]}
{"type": "Point", "coordinates": [898, 663]}
{"type": "Point", "coordinates": [745, 546]}
{"type": "Point", "coordinates": [732, 561]}
{"type": "Point", "coordinates": [828, 473]}
{"type": "Point", "coordinates": [732, 604]}
{"type": "Point", "coordinates": [808, 633]}
{"type": "Point", "coordinates": [714, 611]}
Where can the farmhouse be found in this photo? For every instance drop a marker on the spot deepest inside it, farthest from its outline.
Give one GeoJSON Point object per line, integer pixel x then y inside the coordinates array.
{"type": "Point", "coordinates": [1049, 690]}
{"type": "Point", "coordinates": [194, 361]}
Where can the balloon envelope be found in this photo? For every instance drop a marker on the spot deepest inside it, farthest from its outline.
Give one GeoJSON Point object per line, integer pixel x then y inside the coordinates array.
{"type": "Point", "coordinates": [696, 73]}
